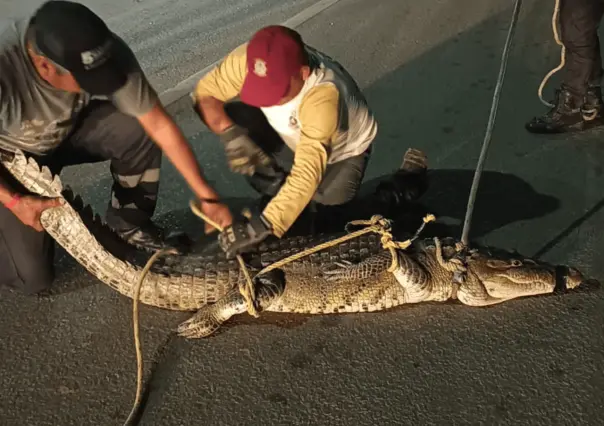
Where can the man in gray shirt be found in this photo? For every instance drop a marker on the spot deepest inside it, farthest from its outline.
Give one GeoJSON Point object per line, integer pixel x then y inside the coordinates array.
{"type": "Point", "coordinates": [72, 92]}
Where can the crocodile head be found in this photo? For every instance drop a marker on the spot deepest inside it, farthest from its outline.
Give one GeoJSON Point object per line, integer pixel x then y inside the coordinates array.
{"type": "Point", "coordinates": [508, 273]}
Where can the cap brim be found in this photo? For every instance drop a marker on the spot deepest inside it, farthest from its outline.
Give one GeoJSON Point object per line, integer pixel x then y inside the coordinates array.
{"type": "Point", "coordinates": [104, 80]}
{"type": "Point", "coordinates": [262, 92]}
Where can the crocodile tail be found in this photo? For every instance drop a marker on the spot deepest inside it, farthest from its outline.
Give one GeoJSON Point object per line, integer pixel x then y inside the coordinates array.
{"type": "Point", "coordinates": [65, 225]}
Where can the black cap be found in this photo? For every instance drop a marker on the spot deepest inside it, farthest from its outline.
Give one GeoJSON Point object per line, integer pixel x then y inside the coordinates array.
{"type": "Point", "coordinates": [74, 37]}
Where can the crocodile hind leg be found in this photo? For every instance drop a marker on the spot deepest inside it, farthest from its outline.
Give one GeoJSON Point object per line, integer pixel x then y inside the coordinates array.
{"type": "Point", "coordinates": [207, 320]}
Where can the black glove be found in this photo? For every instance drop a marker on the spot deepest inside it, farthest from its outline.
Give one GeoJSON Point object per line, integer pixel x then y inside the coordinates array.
{"type": "Point", "coordinates": [244, 235]}
{"type": "Point", "coordinates": [242, 153]}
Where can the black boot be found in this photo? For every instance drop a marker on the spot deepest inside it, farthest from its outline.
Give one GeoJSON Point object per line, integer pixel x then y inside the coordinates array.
{"type": "Point", "coordinates": [152, 238]}
{"type": "Point", "coordinates": [567, 115]}
{"type": "Point", "coordinates": [406, 185]}
{"type": "Point", "coordinates": [592, 108]}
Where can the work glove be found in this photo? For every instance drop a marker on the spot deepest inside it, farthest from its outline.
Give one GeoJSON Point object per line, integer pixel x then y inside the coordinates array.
{"type": "Point", "coordinates": [243, 235]}
{"type": "Point", "coordinates": [242, 153]}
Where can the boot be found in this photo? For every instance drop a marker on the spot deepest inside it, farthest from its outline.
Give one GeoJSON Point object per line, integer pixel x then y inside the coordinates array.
{"type": "Point", "coordinates": [151, 237]}
{"type": "Point", "coordinates": [406, 185]}
{"type": "Point", "coordinates": [567, 115]}
{"type": "Point", "coordinates": [592, 108]}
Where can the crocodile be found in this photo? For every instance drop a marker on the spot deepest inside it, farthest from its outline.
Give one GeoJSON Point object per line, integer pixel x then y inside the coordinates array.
{"type": "Point", "coordinates": [351, 276]}
{"type": "Point", "coordinates": [430, 270]}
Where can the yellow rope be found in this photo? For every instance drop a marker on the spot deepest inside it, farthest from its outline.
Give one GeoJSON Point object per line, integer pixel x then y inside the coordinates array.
{"type": "Point", "coordinates": [453, 264]}
{"type": "Point", "coordinates": [376, 224]}
{"type": "Point", "coordinates": [562, 55]}
{"type": "Point", "coordinates": [137, 343]}
{"type": "Point", "coordinates": [248, 291]}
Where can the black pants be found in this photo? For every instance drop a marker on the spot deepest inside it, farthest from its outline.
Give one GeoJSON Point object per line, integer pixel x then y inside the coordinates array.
{"type": "Point", "coordinates": [341, 180]}
{"type": "Point", "coordinates": [102, 133]}
{"type": "Point", "coordinates": [579, 21]}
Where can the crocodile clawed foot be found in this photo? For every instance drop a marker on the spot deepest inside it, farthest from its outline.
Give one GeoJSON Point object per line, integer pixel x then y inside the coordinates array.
{"type": "Point", "coordinates": [269, 287]}
{"type": "Point", "coordinates": [209, 318]}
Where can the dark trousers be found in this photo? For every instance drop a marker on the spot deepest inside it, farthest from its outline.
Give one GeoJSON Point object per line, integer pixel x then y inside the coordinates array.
{"type": "Point", "coordinates": [579, 22]}
{"type": "Point", "coordinates": [102, 133]}
{"type": "Point", "coordinates": [341, 180]}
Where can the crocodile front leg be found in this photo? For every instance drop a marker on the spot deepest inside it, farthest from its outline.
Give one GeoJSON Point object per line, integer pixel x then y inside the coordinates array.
{"type": "Point", "coordinates": [473, 293]}
{"type": "Point", "coordinates": [413, 278]}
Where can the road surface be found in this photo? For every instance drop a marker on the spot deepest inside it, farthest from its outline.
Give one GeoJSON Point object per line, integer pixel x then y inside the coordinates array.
{"type": "Point", "coordinates": [429, 70]}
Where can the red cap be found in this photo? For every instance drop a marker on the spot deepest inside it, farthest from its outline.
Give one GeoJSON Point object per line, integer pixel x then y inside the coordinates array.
{"type": "Point", "coordinates": [274, 55]}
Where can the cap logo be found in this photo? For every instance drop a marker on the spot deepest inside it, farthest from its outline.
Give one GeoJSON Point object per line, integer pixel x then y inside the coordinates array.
{"type": "Point", "coordinates": [95, 57]}
{"type": "Point", "coordinates": [260, 68]}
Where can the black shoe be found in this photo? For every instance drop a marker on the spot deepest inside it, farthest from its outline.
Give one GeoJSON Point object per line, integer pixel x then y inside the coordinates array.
{"type": "Point", "coordinates": [407, 184]}
{"type": "Point", "coordinates": [152, 238]}
{"type": "Point", "coordinates": [568, 114]}
{"type": "Point", "coordinates": [592, 107]}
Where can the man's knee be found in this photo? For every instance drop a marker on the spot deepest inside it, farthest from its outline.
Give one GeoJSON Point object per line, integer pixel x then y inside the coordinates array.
{"type": "Point", "coordinates": [139, 152]}
{"type": "Point", "coordinates": [342, 182]}
{"type": "Point", "coordinates": [336, 196]}
{"type": "Point", "coordinates": [118, 136]}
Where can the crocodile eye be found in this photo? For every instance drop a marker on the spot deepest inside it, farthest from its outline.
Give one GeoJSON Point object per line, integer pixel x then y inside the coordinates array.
{"type": "Point", "coordinates": [516, 263]}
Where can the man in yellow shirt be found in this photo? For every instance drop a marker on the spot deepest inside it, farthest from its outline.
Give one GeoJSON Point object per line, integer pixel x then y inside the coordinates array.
{"type": "Point", "coordinates": [301, 132]}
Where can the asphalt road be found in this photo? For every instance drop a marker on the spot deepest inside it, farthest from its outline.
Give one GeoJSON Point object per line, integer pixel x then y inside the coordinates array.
{"type": "Point", "coordinates": [429, 70]}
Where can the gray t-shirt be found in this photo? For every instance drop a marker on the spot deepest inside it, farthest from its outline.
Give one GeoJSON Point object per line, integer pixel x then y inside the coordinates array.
{"type": "Point", "coordinates": [34, 116]}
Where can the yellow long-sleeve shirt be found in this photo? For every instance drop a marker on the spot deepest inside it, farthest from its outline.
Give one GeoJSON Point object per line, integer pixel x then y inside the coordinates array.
{"type": "Point", "coordinates": [318, 118]}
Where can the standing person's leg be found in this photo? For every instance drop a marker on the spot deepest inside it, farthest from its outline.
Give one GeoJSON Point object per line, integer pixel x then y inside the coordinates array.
{"type": "Point", "coordinates": [103, 133]}
{"type": "Point", "coordinates": [579, 21]}
{"type": "Point", "coordinates": [26, 255]}
{"type": "Point", "coordinates": [593, 96]}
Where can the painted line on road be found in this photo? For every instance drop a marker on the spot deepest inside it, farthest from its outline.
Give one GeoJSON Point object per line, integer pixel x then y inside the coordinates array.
{"type": "Point", "coordinates": [185, 87]}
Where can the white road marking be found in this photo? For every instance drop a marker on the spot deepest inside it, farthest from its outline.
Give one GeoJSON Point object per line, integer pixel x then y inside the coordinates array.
{"type": "Point", "coordinates": [185, 87]}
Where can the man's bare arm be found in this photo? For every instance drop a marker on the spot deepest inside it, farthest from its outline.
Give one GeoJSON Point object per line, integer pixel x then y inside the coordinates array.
{"type": "Point", "coordinates": [162, 129]}
{"type": "Point", "coordinates": [168, 136]}
{"type": "Point", "coordinates": [211, 111]}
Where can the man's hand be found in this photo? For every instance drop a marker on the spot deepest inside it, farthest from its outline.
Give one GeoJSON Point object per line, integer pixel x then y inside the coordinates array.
{"type": "Point", "coordinates": [242, 153]}
{"type": "Point", "coordinates": [218, 213]}
{"type": "Point", "coordinates": [244, 235]}
{"type": "Point", "coordinates": [29, 208]}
